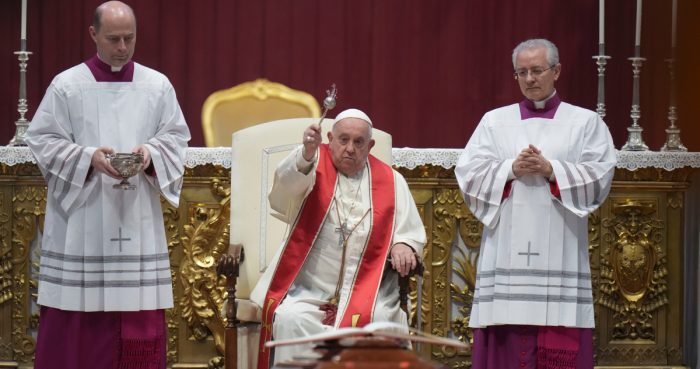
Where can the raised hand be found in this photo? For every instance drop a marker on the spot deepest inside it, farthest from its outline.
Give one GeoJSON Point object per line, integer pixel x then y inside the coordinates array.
{"type": "Point", "coordinates": [311, 140]}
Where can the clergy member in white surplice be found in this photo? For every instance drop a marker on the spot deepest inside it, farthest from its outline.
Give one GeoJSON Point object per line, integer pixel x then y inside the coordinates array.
{"type": "Point", "coordinates": [104, 277]}
{"type": "Point", "coordinates": [531, 173]}
{"type": "Point", "coordinates": [348, 213]}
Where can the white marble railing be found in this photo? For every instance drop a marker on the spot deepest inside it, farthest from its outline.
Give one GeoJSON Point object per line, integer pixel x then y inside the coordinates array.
{"type": "Point", "coordinates": [406, 157]}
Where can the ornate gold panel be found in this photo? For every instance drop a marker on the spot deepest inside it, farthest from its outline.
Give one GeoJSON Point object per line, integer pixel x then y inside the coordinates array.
{"type": "Point", "coordinates": [29, 203]}
{"type": "Point", "coordinates": [5, 252]}
{"type": "Point", "coordinates": [638, 289]}
{"type": "Point", "coordinates": [635, 244]}
{"type": "Point", "coordinates": [200, 293]}
{"type": "Point", "coordinates": [451, 220]}
{"type": "Point", "coordinates": [205, 239]}
{"type": "Point", "coordinates": [633, 272]}
{"type": "Point", "coordinates": [6, 271]}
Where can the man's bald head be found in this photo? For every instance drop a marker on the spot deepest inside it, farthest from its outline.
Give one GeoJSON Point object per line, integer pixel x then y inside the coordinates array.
{"type": "Point", "coordinates": [115, 7]}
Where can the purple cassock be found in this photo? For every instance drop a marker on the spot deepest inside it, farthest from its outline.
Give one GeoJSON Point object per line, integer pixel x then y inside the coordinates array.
{"type": "Point", "coordinates": [527, 346]}
{"type": "Point", "coordinates": [105, 340]}
{"type": "Point", "coordinates": [532, 347]}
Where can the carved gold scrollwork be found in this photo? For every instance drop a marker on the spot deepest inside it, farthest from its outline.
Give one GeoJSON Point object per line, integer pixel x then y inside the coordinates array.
{"type": "Point", "coordinates": [29, 205]}
{"type": "Point", "coordinates": [452, 220]}
{"type": "Point", "coordinates": [464, 266]}
{"type": "Point", "coordinates": [171, 220]}
{"type": "Point", "coordinates": [647, 356]}
{"type": "Point", "coordinates": [205, 239]}
{"type": "Point", "coordinates": [5, 254]}
{"type": "Point", "coordinates": [633, 269]}
{"type": "Point", "coordinates": [594, 231]}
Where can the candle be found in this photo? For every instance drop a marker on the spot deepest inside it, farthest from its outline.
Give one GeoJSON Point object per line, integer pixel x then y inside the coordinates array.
{"type": "Point", "coordinates": [674, 14]}
{"type": "Point", "coordinates": [601, 21]}
{"type": "Point", "coordinates": [638, 29]}
{"type": "Point", "coordinates": [23, 35]}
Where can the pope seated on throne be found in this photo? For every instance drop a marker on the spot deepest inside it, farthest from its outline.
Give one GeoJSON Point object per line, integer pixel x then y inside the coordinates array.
{"type": "Point", "coordinates": [347, 213]}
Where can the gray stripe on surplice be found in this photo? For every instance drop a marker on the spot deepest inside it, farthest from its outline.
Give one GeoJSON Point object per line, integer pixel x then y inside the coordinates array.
{"type": "Point", "coordinates": [534, 298]}
{"type": "Point", "coordinates": [573, 185]}
{"type": "Point", "coordinates": [105, 259]}
{"type": "Point", "coordinates": [142, 269]}
{"type": "Point", "coordinates": [69, 179]}
{"type": "Point", "coordinates": [103, 283]}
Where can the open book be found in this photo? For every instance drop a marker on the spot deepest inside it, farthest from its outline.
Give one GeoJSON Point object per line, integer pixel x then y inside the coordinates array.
{"type": "Point", "coordinates": [375, 329]}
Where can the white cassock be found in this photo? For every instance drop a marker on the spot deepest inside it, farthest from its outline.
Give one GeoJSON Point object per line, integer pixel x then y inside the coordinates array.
{"type": "Point", "coordinates": [104, 249]}
{"type": "Point", "coordinates": [534, 265]}
{"type": "Point", "coordinates": [298, 315]}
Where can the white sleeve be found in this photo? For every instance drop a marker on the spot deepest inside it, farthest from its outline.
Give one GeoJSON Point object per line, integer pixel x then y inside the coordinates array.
{"type": "Point", "coordinates": [64, 163]}
{"type": "Point", "coordinates": [291, 185]}
{"type": "Point", "coordinates": [482, 174]}
{"type": "Point", "coordinates": [167, 148]}
{"type": "Point", "coordinates": [408, 226]}
{"type": "Point", "coordinates": [584, 185]}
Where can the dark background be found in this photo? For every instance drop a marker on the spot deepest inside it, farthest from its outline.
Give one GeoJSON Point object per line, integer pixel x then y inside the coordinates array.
{"type": "Point", "coordinates": [424, 70]}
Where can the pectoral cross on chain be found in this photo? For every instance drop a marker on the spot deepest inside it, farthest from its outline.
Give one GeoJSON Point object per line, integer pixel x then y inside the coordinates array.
{"type": "Point", "coordinates": [528, 253]}
{"type": "Point", "coordinates": [120, 239]}
{"type": "Point", "coordinates": [342, 231]}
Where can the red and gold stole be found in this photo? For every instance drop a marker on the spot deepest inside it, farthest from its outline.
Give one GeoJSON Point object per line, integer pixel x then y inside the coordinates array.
{"type": "Point", "coordinates": [307, 226]}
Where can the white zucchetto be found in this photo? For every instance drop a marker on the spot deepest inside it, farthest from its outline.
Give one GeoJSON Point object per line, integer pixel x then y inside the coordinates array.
{"type": "Point", "coordinates": [353, 113]}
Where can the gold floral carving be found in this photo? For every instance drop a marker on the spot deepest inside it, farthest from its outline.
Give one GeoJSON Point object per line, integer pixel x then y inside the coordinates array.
{"type": "Point", "coordinates": [5, 254]}
{"type": "Point", "coordinates": [594, 231]}
{"type": "Point", "coordinates": [641, 356]}
{"type": "Point", "coordinates": [171, 220]}
{"type": "Point", "coordinates": [633, 269]}
{"type": "Point", "coordinates": [205, 239]}
{"type": "Point", "coordinates": [594, 249]}
{"type": "Point", "coordinates": [452, 220]}
{"type": "Point", "coordinates": [29, 205]}
{"type": "Point", "coordinates": [464, 266]}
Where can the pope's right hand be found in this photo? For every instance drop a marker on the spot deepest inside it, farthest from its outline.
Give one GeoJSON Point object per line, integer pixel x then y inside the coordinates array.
{"type": "Point", "coordinates": [100, 163]}
{"type": "Point", "coordinates": [311, 140]}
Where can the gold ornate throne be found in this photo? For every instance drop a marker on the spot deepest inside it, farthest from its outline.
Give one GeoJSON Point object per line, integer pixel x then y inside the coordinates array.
{"type": "Point", "coordinates": [256, 151]}
{"type": "Point", "coordinates": [227, 111]}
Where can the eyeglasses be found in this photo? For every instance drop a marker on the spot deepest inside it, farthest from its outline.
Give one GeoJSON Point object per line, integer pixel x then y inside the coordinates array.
{"type": "Point", "coordinates": [536, 72]}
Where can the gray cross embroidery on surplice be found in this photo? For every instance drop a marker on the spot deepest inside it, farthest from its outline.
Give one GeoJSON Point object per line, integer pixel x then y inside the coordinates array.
{"type": "Point", "coordinates": [528, 253]}
{"type": "Point", "coordinates": [120, 239]}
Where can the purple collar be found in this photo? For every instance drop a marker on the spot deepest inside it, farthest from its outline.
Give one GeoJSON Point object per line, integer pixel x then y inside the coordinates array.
{"type": "Point", "coordinates": [103, 71]}
{"type": "Point", "coordinates": [528, 110]}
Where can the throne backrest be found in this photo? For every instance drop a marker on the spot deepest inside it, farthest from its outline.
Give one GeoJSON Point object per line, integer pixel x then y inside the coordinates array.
{"type": "Point", "coordinates": [227, 111]}
{"type": "Point", "coordinates": [256, 151]}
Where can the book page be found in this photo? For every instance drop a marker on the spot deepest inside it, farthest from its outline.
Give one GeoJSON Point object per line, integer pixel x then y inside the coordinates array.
{"type": "Point", "coordinates": [376, 329]}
